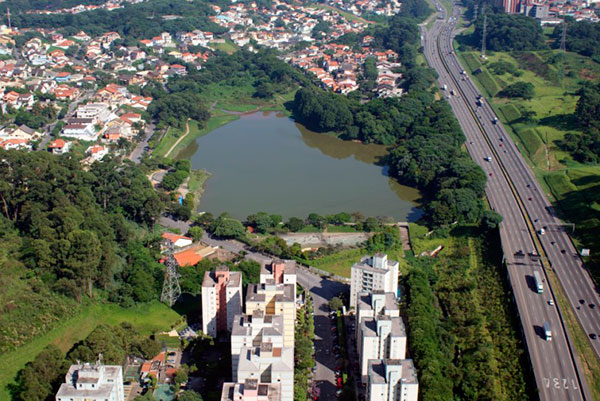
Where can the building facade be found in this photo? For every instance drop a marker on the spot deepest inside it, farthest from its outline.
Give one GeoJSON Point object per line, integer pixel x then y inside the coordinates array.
{"type": "Point", "coordinates": [92, 382]}
{"type": "Point", "coordinates": [382, 337]}
{"type": "Point", "coordinates": [251, 331]}
{"type": "Point", "coordinates": [274, 299]}
{"type": "Point", "coordinates": [372, 274]}
{"type": "Point", "coordinates": [221, 300]}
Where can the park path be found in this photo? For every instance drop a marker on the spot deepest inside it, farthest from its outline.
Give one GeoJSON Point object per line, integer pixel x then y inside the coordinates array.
{"type": "Point", "coordinates": [187, 131]}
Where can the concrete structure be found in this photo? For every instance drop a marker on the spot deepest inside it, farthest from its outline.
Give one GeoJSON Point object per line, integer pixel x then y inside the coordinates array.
{"type": "Point", "coordinates": [371, 274]}
{"type": "Point", "coordinates": [274, 299]}
{"type": "Point", "coordinates": [281, 272]}
{"type": "Point", "coordinates": [98, 112]}
{"type": "Point", "coordinates": [372, 305]}
{"type": "Point", "coordinates": [251, 331]}
{"type": "Point", "coordinates": [89, 382]}
{"type": "Point", "coordinates": [251, 390]}
{"type": "Point", "coordinates": [380, 338]}
{"type": "Point", "coordinates": [221, 300]}
{"type": "Point", "coordinates": [269, 364]}
{"type": "Point", "coordinates": [392, 380]}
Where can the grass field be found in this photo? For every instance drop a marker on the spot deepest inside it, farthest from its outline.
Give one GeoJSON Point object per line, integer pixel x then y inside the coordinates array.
{"type": "Point", "coordinates": [196, 183]}
{"type": "Point", "coordinates": [147, 319]}
{"type": "Point", "coordinates": [227, 47]}
{"type": "Point", "coordinates": [214, 122]}
{"type": "Point", "coordinates": [340, 262]}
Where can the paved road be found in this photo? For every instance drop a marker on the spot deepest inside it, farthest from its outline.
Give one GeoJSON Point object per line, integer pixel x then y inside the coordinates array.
{"type": "Point", "coordinates": [513, 191]}
{"type": "Point", "coordinates": [136, 154]}
{"type": "Point", "coordinates": [322, 291]}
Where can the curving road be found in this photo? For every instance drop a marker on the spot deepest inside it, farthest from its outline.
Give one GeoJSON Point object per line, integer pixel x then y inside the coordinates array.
{"type": "Point", "coordinates": [513, 191]}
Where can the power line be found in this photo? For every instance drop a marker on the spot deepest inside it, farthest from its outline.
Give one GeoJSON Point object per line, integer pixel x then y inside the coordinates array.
{"type": "Point", "coordinates": [171, 289]}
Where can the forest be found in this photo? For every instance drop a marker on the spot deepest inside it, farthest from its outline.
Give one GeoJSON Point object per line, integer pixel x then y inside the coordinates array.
{"type": "Point", "coordinates": [509, 32]}
{"type": "Point", "coordinates": [585, 147]}
{"type": "Point", "coordinates": [582, 37]}
{"type": "Point", "coordinates": [133, 21]}
{"type": "Point", "coordinates": [73, 234]}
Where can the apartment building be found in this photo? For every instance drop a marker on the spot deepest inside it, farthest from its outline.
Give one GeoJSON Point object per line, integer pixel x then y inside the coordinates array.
{"type": "Point", "coordinates": [221, 300]}
{"type": "Point", "coordinates": [251, 331]}
{"type": "Point", "coordinates": [382, 337]}
{"type": "Point", "coordinates": [281, 272]}
{"type": "Point", "coordinates": [92, 382]}
{"type": "Point", "coordinates": [251, 390]}
{"type": "Point", "coordinates": [269, 365]}
{"type": "Point", "coordinates": [372, 274]}
{"type": "Point", "coordinates": [274, 299]}
{"type": "Point", "coordinates": [392, 380]}
{"type": "Point", "coordinates": [378, 303]}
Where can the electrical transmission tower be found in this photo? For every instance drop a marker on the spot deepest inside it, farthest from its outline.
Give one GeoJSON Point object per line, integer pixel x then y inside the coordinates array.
{"type": "Point", "coordinates": [563, 37]}
{"type": "Point", "coordinates": [475, 11]}
{"type": "Point", "coordinates": [171, 289]}
{"type": "Point", "coordinates": [483, 34]}
{"type": "Point", "coordinates": [8, 15]}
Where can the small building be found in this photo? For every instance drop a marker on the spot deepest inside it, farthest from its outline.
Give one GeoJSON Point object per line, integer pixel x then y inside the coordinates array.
{"type": "Point", "coordinates": [95, 382]}
{"type": "Point", "coordinates": [59, 146]}
{"type": "Point", "coordinates": [178, 241]}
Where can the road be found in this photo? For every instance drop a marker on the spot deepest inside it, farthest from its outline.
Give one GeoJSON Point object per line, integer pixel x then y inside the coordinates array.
{"type": "Point", "coordinates": [322, 291]}
{"type": "Point", "coordinates": [513, 191]}
{"type": "Point", "coordinates": [138, 151]}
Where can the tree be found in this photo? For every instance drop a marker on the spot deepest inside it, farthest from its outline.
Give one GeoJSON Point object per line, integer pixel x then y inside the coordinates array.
{"type": "Point", "coordinates": [227, 227]}
{"type": "Point", "coordinates": [316, 220]}
{"type": "Point", "coordinates": [335, 303]}
{"type": "Point", "coordinates": [189, 395]}
{"type": "Point", "coordinates": [295, 224]}
{"type": "Point", "coordinates": [196, 233]}
{"type": "Point", "coordinates": [490, 220]}
{"type": "Point", "coordinates": [40, 378]}
{"type": "Point", "coordinates": [181, 376]}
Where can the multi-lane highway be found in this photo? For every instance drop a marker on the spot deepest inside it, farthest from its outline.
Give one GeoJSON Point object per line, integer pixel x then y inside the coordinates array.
{"type": "Point", "coordinates": [530, 231]}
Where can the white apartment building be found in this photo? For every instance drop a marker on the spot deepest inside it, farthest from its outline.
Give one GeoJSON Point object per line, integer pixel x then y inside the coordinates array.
{"type": "Point", "coordinates": [252, 330]}
{"type": "Point", "coordinates": [382, 337]}
{"type": "Point", "coordinates": [251, 390]}
{"type": "Point", "coordinates": [221, 300]}
{"type": "Point", "coordinates": [269, 364]}
{"type": "Point", "coordinates": [281, 272]}
{"type": "Point", "coordinates": [371, 274]}
{"type": "Point", "coordinates": [95, 382]}
{"type": "Point", "coordinates": [274, 299]}
{"type": "Point", "coordinates": [373, 305]}
{"type": "Point", "coordinates": [392, 380]}
{"type": "Point", "coordinates": [98, 112]}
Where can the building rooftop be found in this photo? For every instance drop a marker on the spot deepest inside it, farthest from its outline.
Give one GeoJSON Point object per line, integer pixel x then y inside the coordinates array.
{"type": "Point", "coordinates": [247, 325]}
{"type": "Point", "coordinates": [210, 278]}
{"type": "Point", "coordinates": [378, 369]}
{"type": "Point", "coordinates": [256, 359]}
{"type": "Point", "coordinates": [290, 267]}
{"type": "Point", "coordinates": [365, 301]}
{"type": "Point", "coordinates": [256, 292]}
{"type": "Point", "coordinates": [96, 374]}
{"type": "Point", "coordinates": [369, 326]}
{"type": "Point", "coordinates": [236, 391]}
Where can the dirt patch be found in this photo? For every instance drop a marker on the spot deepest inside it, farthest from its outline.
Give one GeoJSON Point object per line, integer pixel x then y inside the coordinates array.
{"type": "Point", "coordinates": [588, 74]}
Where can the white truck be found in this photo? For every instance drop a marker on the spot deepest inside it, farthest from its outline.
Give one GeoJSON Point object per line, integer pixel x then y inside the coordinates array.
{"type": "Point", "coordinates": [547, 331]}
{"type": "Point", "coordinates": [539, 284]}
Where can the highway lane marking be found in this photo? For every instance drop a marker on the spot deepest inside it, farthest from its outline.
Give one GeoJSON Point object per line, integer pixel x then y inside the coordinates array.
{"type": "Point", "coordinates": [559, 383]}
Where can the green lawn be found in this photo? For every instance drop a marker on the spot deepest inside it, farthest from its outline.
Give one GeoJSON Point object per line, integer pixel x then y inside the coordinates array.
{"type": "Point", "coordinates": [227, 47]}
{"type": "Point", "coordinates": [167, 141]}
{"type": "Point", "coordinates": [339, 263]}
{"type": "Point", "coordinates": [341, 229]}
{"type": "Point", "coordinates": [148, 319]}
{"type": "Point", "coordinates": [196, 183]}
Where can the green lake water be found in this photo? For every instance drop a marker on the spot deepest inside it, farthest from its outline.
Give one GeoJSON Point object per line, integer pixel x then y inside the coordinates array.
{"type": "Point", "coordinates": [265, 162]}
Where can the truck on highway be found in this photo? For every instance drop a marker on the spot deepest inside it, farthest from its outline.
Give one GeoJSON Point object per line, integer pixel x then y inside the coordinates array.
{"type": "Point", "coordinates": [539, 285]}
{"type": "Point", "coordinates": [547, 331]}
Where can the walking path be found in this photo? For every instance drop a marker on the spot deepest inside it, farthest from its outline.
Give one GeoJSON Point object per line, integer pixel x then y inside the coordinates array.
{"type": "Point", "coordinates": [187, 131]}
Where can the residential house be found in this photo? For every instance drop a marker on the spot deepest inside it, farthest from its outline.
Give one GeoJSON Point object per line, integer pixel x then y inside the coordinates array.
{"type": "Point", "coordinates": [59, 146]}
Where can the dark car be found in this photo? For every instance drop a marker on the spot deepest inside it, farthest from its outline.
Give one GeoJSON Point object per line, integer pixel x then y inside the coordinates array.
{"type": "Point", "coordinates": [592, 306]}
{"type": "Point", "coordinates": [582, 301]}
{"type": "Point", "coordinates": [593, 336]}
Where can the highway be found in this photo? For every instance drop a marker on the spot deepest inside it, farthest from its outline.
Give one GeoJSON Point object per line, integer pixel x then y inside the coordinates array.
{"type": "Point", "coordinates": [514, 192]}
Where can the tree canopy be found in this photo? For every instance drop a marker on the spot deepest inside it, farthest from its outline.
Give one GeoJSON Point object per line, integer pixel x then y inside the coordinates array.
{"type": "Point", "coordinates": [510, 32]}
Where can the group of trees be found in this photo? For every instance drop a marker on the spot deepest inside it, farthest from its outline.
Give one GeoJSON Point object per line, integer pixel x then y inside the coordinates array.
{"type": "Point", "coordinates": [583, 37]}
{"type": "Point", "coordinates": [176, 108]}
{"type": "Point", "coordinates": [521, 89]}
{"type": "Point", "coordinates": [133, 21]}
{"type": "Point", "coordinates": [303, 350]}
{"type": "Point", "coordinates": [509, 32]}
{"type": "Point", "coordinates": [585, 146]}
{"type": "Point", "coordinates": [40, 378]}
{"type": "Point", "coordinates": [461, 335]}
{"type": "Point", "coordinates": [76, 227]}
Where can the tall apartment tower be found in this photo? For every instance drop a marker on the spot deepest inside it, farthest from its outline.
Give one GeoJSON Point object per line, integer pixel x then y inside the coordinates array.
{"type": "Point", "coordinates": [269, 365]}
{"type": "Point", "coordinates": [378, 303]}
{"type": "Point", "coordinates": [274, 299]}
{"type": "Point", "coordinates": [251, 331]}
{"type": "Point", "coordinates": [280, 272]}
{"type": "Point", "coordinates": [392, 380]}
{"type": "Point", "coordinates": [382, 337]}
{"type": "Point", "coordinates": [372, 274]}
{"type": "Point", "coordinates": [221, 300]}
{"type": "Point", "coordinates": [92, 382]}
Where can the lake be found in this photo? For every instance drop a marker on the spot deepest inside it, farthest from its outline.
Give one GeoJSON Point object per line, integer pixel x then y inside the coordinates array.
{"type": "Point", "coordinates": [265, 162]}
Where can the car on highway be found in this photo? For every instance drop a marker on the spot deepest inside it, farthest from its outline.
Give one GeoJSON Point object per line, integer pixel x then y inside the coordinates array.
{"type": "Point", "coordinates": [593, 336]}
{"type": "Point", "coordinates": [495, 120]}
{"type": "Point", "coordinates": [551, 302]}
{"type": "Point", "coordinates": [488, 158]}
